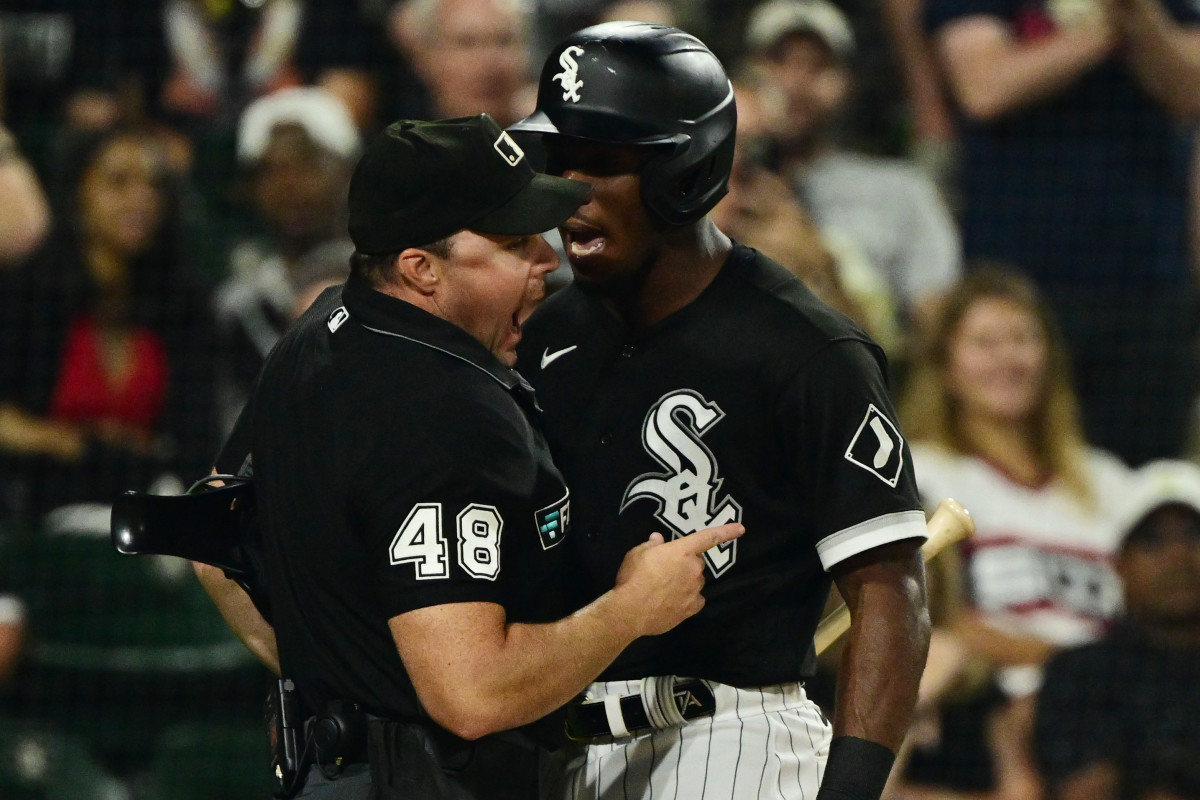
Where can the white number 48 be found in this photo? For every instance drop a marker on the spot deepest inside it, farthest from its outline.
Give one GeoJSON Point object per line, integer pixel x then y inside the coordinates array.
{"type": "Point", "coordinates": [419, 541]}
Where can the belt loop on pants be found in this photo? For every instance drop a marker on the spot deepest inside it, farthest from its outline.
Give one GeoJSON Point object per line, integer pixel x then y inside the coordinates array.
{"type": "Point", "coordinates": [661, 702]}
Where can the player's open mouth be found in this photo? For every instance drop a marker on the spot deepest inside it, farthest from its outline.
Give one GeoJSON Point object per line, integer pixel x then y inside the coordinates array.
{"type": "Point", "coordinates": [581, 240]}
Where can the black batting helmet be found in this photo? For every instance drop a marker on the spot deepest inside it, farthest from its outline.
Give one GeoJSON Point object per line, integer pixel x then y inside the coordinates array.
{"type": "Point", "coordinates": [636, 83]}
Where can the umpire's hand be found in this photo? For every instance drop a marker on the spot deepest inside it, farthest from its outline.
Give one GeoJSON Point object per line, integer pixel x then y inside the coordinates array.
{"type": "Point", "coordinates": [659, 582]}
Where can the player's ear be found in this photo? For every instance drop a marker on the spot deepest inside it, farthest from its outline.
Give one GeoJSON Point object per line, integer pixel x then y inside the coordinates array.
{"type": "Point", "coordinates": [418, 269]}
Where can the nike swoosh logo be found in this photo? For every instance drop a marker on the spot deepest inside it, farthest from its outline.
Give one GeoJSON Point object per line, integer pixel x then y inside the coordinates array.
{"type": "Point", "coordinates": [547, 356]}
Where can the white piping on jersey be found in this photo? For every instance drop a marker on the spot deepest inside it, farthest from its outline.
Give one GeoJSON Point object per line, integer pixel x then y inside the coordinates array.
{"type": "Point", "coordinates": [447, 352]}
{"type": "Point", "coordinates": [884, 529]}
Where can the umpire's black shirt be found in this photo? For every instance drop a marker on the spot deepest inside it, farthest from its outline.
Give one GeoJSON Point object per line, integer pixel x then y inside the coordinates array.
{"type": "Point", "coordinates": [398, 465]}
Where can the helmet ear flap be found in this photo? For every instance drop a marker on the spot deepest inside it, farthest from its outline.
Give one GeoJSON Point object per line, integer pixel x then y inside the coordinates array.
{"type": "Point", "coordinates": [682, 197]}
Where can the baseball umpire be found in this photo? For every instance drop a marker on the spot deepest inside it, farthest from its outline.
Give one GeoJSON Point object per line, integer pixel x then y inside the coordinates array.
{"type": "Point", "coordinates": [687, 380]}
{"type": "Point", "coordinates": [413, 524]}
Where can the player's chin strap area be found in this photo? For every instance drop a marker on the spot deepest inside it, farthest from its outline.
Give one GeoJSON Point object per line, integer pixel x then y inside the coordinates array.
{"type": "Point", "coordinates": [663, 702]}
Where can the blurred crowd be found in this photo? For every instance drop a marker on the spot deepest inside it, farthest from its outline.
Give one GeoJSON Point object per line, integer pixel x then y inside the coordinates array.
{"type": "Point", "coordinates": [1002, 192]}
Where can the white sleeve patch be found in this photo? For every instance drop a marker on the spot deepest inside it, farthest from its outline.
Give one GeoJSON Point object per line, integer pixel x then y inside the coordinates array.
{"type": "Point", "coordinates": [877, 447]}
{"type": "Point", "coordinates": [882, 530]}
{"type": "Point", "coordinates": [337, 318]}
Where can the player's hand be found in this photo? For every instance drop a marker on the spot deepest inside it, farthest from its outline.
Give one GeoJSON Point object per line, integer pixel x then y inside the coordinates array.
{"type": "Point", "coordinates": [660, 582]}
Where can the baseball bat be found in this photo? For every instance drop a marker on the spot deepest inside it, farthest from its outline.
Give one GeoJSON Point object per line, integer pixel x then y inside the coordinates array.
{"type": "Point", "coordinates": [950, 523]}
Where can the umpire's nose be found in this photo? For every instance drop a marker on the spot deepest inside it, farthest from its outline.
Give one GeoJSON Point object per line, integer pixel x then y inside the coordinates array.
{"type": "Point", "coordinates": [545, 259]}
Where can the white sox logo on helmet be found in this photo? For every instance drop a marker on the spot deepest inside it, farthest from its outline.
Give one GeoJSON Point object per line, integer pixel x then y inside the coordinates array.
{"type": "Point", "coordinates": [569, 77]}
{"type": "Point", "coordinates": [687, 495]}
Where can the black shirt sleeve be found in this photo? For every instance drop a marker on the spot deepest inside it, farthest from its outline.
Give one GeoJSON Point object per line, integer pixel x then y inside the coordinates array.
{"type": "Point", "coordinates": [443, 537]}
{"type": "Point", "coordinates": [850, 453]}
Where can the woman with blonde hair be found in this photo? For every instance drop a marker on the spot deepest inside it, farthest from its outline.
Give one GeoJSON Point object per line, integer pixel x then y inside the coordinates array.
{"type": "Point", "coordinates": [993, 422]}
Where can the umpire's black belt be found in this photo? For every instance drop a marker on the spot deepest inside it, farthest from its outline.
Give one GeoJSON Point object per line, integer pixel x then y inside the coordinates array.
{"type": "Point", "coordinates": [663, 702]}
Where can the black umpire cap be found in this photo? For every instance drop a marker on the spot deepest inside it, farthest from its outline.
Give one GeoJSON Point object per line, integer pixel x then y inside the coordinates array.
{"type": "Point", "coordinates": [420, 181]}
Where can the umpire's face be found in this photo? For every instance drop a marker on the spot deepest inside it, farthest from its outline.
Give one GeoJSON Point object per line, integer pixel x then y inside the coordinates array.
{"type": "Point", "coordinates": [611, 239]}
{"type": "Point", "coordinates": [489, 284]}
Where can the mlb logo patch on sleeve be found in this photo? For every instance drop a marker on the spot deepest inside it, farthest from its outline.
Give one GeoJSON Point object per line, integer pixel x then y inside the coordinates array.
{"type": "Point", "coordinates": [877, 447]}
{"type": "Point", "coordinates": [554, 522]}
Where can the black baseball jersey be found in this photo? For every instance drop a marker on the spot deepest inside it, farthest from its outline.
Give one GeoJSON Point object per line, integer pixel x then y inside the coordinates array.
{"type": "Point", "coordinates": [755, 403]}
{"type": "Point", "coordinates": [397, 465]}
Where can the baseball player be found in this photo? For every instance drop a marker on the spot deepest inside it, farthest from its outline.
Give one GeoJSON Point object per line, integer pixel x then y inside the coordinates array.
{"type": "Point", "coordinates": [688, 380]}
{"type": "Point", "coordinates": [413, 525]}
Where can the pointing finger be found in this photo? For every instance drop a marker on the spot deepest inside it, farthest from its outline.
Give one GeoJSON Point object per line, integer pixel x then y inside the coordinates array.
{"type": "Point", "coordinates": [709, 538]}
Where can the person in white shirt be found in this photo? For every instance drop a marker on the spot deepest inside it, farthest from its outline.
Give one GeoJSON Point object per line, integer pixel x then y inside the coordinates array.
{"type": "Point", "coordinates": [993, 423]}
{"type": "Point", "coordinates": [887, 209]}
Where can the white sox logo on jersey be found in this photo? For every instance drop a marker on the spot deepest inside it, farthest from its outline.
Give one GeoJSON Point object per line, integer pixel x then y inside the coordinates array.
{"type": "Point", "coordinates": [687, 495]}
{"type": "Point", "coordinates": [569, 77]}
{"type": "Point", "coordinates": [877, 447]}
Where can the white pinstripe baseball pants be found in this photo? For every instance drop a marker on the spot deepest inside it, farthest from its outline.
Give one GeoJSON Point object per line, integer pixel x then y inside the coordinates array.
{"type": "Point", "coordinates": [769, 743]}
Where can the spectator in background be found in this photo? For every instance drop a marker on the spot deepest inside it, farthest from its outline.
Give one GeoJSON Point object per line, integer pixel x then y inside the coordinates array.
{"type": "Point", "coordinates": [199, 64]}
{"type": "Point", "coordinates": [1076, 167]}
{"type": "Point", "coordinates": [24, 212]}
{"type": "Point", "coordinates": [54, 71]}
{"type": "Point", "coordinates": [471, 55]}
{"type": "Point", "coordinates": [223, 55]}
{"type": "Point", "coordinates": [104, 349]}
{"type": "Point", "coordinates": [886, 207]}
{"type": "Point", "coordinates": [662, 12]}
{"type": "Point", "coordinates": [342, 49]}
{"type": "Point", "coordinates": [993, 423]}
{"type": "Point", "coordinates": [188, 66]}
{"type": "Point", "coordinates": [298, 147]}
{"type": "Point", "coordinates": [933, 135]}
{"type": "Point", "coordinates": [761, 211]}
{"type": "Point", "coordinates": [1120, 718]}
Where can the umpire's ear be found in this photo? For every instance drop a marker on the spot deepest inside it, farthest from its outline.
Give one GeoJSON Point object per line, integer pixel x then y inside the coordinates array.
{"type": "Point", "coordinates": [417, 269]}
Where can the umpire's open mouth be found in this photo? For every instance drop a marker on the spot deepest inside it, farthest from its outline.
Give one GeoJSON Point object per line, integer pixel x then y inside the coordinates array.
{"type": "Point", "coordinates": [516, 326]}
{"type": "Point", "coordinates": [532, 300]}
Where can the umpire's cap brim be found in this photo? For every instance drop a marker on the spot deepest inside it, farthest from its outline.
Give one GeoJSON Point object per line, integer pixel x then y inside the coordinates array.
{"type": "Point", "coordinates": [546, 202]}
